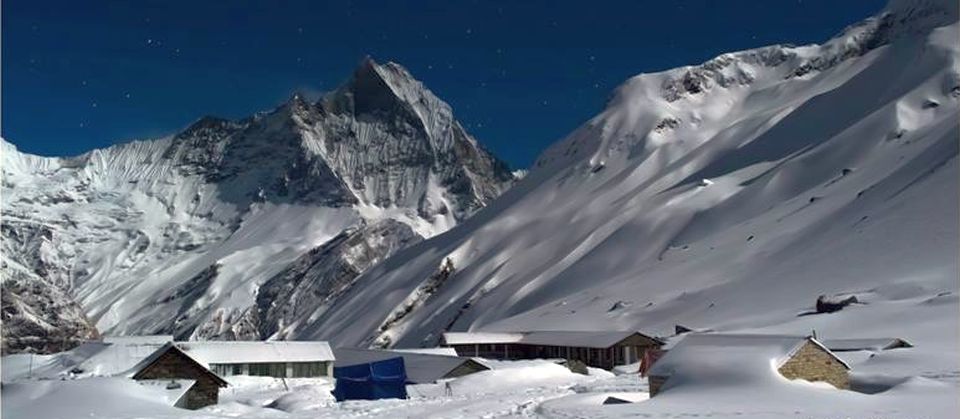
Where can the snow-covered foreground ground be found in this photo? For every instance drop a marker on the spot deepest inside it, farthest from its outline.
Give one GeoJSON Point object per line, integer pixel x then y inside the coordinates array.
{"type": "Point", "coordinates": [513, 389]}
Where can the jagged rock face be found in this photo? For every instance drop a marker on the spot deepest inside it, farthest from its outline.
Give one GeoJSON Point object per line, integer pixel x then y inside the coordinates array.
{"type": "Point", "coordinates": [38, 316]}
{"type": "Point", "coordinates": [288, 300]}
{"type": "Point", "coordinates": [380, 108]}
{"type": "Point", "coordinates": [176, 235]}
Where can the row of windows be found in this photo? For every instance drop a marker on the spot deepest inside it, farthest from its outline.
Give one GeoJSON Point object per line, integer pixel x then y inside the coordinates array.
{"type": "Point", "coordinates": [309, 369]}
{"type": "Point", "coordinates": [272, 369]}
{"type": "Point", "coordinates": [595, 356]}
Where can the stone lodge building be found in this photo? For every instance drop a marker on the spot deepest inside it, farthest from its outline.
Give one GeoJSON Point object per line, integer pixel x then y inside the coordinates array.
{"type": "Point", "coordinates": [201, 387]}
{"type": "Point", "coordinates": [600, 349]}
{"type": "Point", "coordinates": [724, 358]}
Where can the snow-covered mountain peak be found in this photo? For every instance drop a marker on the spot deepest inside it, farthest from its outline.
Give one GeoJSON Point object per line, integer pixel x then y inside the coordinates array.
{"type": "Point", "coordinates": [193, 224]}
{"type": "Point", "coordinates": [680, 107]}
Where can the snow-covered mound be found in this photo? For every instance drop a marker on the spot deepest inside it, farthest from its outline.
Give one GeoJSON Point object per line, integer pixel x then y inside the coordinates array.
{"type": "Point", "coordinates": [177, 235]}
{"type": "Point", "coordinates": [728, 196]}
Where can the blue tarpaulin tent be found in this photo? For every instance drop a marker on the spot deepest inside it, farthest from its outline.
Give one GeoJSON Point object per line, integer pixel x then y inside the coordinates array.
{"type": "Point", "coordinates": [384, 379]}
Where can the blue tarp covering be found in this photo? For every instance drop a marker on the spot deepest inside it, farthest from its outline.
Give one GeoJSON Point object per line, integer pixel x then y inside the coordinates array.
{"type": "Point", "coordinates": [377, 380]}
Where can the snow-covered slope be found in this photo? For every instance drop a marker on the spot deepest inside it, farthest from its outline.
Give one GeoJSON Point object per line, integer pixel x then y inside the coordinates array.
{"type": "Point", "coordinates": [728, 195]}
{"type": "Point", "coordinates": [177, 235]}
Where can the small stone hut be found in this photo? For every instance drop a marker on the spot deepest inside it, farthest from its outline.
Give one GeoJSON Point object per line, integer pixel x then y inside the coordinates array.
{"type": "Point", "coordinates": [717, 357]}
{"type": "Point", "coordinates": [170, 363]}
{"type": "Point", "coordinates": [600, 349]}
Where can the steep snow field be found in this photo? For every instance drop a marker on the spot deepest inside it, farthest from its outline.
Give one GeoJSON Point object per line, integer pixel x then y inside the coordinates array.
{"type": "Point", "coordinates": [729, 196]}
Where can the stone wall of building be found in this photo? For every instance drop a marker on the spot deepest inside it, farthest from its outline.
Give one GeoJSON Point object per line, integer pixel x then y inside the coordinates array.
{"type": "Point", "coordinates": [171, 364]}
{"type": "Point", "coordinates": [813, 363]}
{"type": "Point", "coordinates": [656, 383]}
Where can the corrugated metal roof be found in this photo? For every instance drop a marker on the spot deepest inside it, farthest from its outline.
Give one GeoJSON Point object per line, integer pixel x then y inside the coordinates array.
{"type": "Point", "coordinates": [241, 352]}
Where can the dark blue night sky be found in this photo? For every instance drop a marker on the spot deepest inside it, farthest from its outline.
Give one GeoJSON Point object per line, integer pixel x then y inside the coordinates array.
{"type": "Point", "coordinates": [519, 74]}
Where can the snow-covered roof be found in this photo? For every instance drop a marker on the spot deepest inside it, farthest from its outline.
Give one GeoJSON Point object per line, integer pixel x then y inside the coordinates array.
{"type": "Point", "coordinates": [599, 339]}
{"type": "Point", "coordinates": [700, 357]}
{"type": "Point", "coordinates": [868, 344]}
{"type": "Point", "coordinates": [242, 352]}
{"type": "Point", "coordinates": [429, 351]}
{"type": "Point", "coordinates": [114, 358]}
{"type": "Point", "coordinates": [156, 340]}
{"type": "Point", "coordinates": [469, 338]}
{"type": "Point", "coordinates": [583, 339]}
{"type": "Point", "coordinates": [421, 368]}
